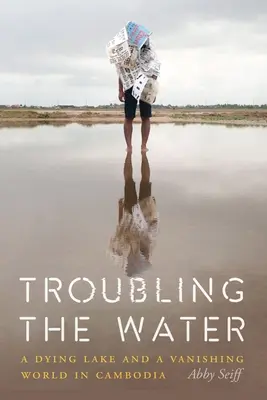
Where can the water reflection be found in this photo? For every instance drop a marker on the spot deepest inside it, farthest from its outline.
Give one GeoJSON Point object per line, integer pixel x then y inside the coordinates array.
{"type": "Point", "coordinates": [36, 123]}
{"type": "Point", "coordinates": [224, 124]}
{"type": "Point", "coordinates": [133, 242]}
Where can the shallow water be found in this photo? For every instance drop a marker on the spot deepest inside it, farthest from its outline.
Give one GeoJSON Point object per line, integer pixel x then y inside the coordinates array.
{"type": "Point", "coordinates": [59, 191]}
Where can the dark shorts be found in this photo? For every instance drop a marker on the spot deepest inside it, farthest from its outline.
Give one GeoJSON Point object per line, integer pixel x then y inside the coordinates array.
{"type": "Point", "coordinates": [130, 195]}
{"type": "Point", "coordinates": [130, 106]}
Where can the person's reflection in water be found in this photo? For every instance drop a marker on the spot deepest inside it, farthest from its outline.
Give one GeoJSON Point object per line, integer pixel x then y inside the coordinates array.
{"type": "Point", "coordinates": [133, 242]}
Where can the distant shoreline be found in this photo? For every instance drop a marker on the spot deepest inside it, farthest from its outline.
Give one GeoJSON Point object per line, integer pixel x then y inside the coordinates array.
{"type": "Point", "coordinates": [234, 117]}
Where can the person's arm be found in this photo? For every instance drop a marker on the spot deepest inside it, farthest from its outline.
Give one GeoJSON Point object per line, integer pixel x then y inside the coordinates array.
{"type": "Point", "coordinates": [120, 209]}
{"type": "Point", "coordinates": [120, 85]}
{"type": "Point", "coordinates": [121, 92]}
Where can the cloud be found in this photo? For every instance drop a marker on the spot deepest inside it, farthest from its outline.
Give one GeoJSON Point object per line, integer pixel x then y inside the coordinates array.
{"type": "Point", "coordinates": [209, 50]}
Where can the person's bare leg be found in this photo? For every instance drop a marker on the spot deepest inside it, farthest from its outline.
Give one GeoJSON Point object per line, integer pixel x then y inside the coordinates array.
{"type": "Point", "coordinates": [145, 131]}
{"type": "Point", "coordinates": [128, 131]}
{"type": "Point", "coordinates": [128, 167]}
{"type": "Point", "coordinates": [145, 169]}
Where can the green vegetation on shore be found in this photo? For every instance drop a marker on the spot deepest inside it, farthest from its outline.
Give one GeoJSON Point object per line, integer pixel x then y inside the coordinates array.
{"type": "Point", "coordinates": [222, 116]}
{"type": "Point", "coordinates": [30, 114]}
{"type": "Point", "coordinates": [230, 115]}
{"type": "Point", "coordinates": [115, 106]}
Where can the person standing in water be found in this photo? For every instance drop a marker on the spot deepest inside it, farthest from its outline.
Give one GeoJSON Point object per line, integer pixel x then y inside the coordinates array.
{"type": "Point", "coordinates": [130, 105]}
{"type": "Point", "coordinates": [138, 68]}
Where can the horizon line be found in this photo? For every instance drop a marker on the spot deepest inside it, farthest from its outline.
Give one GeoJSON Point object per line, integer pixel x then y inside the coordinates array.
{"type": "Point", "coordinates": [112, 105]}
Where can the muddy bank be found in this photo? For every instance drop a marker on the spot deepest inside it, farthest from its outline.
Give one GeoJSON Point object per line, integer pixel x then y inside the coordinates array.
{"type": "Point", "coordinates": [31, 118]}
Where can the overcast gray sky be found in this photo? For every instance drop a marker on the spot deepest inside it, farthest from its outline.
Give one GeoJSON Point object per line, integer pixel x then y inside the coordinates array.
{"type": "Point", "coordinates": [212, 51]}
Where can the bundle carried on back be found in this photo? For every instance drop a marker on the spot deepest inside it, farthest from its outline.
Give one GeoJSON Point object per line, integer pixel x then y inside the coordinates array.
{"type": "Point", "coordinates": [137, 64]}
